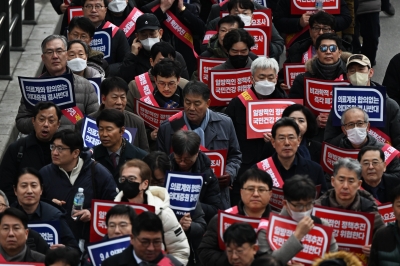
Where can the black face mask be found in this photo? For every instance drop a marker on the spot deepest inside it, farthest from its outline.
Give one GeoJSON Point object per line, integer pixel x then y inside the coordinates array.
{"type": "Point", "coordinates": [238, 61]}
{"type": "Point", "coordinates": [131, 190]}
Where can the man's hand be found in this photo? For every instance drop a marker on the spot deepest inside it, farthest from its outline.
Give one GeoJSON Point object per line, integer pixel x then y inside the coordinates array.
{"type": "Point", "coordinates": [366, 250]}
{"type": "Point", "coordinates": [186, 222]}
{"type": "Point", "coordinates": [153, 134]}
{"type": "Point", "coordinates": [85, 215]}
{"type": "Point", "coordinates": [284, 86]}
{"type": "Point", "coordinates": [57, 246]}
{"type": "Point", "coordinates": [63, 7]}
{"type": "Point", "coordinates": [166, 5]}
{"type": "Point", "coordinates": [58, 202]}
{"type": "Point", "coordinates": [224, 180]}
{"type": "Point", "coordinates": [322, 119]}
{"type": "Point", "coordinates": [304, 19]}
{"type": "Point", "coordinates": [303, 227]}
{"type": "Point", "coordinates": [267, 137]}
{"type": "Point", "coordinates": [136, 46]}
{"type": "Point", "coordinates": [180, 5]}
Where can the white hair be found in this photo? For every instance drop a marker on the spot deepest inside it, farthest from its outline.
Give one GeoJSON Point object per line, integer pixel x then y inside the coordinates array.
{"type": "Point", "coordinates": [264, 63]}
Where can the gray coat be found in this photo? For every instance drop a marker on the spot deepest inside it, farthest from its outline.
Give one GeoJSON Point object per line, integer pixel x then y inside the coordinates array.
{"type": "Point", "coordinates": [86, 101]}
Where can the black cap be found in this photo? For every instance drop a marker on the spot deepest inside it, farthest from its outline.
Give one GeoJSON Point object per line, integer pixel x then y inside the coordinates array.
{"type": "Point", "coordinates": [147, 21]}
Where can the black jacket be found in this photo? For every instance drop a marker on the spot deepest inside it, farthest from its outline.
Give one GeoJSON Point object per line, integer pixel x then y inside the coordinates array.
{"type": "Point", "coordinates": [128, 152]}
{"type": "Point", "coordinates": [210, 196]}
{"type": "Point", "coordinates": [216, 9]}
{"type": "Point", "coordinates": [195, 233]}
{"type": "Point", "coordinates": [117, 21]}
{"type": "Point", "coordinates": [388, 182]}
{"type": "Point", "coordinates": [33, 154]}
{"type": "Point", "coordinates": [36, 242]}
{"type": "Point", "coordinates": [32, 256]}
{"type": "Point", "coordinates": [209, 252]}
{"type": "Point", "coordinates": [392, 78]}
{"type": "Point", "coordinates": [385, 249]}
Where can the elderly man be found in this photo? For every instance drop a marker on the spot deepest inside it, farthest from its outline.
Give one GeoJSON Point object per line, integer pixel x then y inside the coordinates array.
{"type": "Point", "coordinates": [346, 193]}
{"type": "Point", "coordinates": [375, 181]}
{"type": "Point", "coordinates": [54, 57]}
{"type": "Point", "coordinates": [359, 73]}
{"type": "Point", "coordinates": [355, 126]}
{"type": "Point", "coordinates": [216, 130]}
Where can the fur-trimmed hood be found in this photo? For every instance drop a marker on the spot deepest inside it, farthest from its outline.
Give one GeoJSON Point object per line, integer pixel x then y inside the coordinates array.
{"type": "Point", "coordinates": [310, 63]}
{"type": "Point", "coordinates": [342, 257]}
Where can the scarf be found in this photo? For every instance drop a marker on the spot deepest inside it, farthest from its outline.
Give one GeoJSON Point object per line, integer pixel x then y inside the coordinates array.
{"type": "Point", "coordinates": [175, 101]}
{"type": "Point", "coordinates": [329, 72]}
{"type": "Point", "coordinates": [200, 129]}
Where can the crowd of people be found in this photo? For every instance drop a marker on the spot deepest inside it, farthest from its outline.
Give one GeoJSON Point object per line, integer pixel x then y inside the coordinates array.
{"type": "Point", "coordinates": [157, 64]}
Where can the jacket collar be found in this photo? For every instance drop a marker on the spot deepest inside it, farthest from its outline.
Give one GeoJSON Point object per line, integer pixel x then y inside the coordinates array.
{"type": "Point", "coordinates": [310, 64]}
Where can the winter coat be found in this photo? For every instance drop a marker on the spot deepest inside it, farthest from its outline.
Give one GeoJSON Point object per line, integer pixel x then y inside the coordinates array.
{"type": "Point", "coordinates": [195, 233]}
{"type": "Point", "coordinates": [392, 78]}
{"type": "Point", "coordinates": [385, 249]}
{"type": "Point", "coordinates": [96, 60]}
{"type": "Point", "coordinates": [348, 258]}
{"type": "Point", "coordinates": [85, 97]}
{"type": "Point", "coordinates": [363, 202]}
{"type": "Point", "coordinates": [385, 187]}
{"type": "Point", "coordinates": [174, 237]}
{"type": "Point", "coordinates": [91, 72]}
{"type": "Point", "coordinates": [216, 9]}
{"type": "Point", "coordinates": [97, 185]}
{"type": "Point", "coordinates": [210, 196]}
{"type": "Point", "coordinates": [228, 65]}
{"type": "Point", "coordinates": [368, 6]}
{"type": "Point", "coordinates": [117, 21]}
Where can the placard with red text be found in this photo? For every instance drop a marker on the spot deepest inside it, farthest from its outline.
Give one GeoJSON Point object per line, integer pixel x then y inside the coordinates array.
{"type": "Point", "coordinates": [331, 154]}
{"type": "Point", "coordinates": [261, 17]}
{"type": "Point", "coordinates": [204, 66]}
{"type": "Point", "coordinates": [262, 39]}
{"type": "Point", "coordinates": [98, 227]}
{"type": "Point", "coordinates": [129, 24]}
{"type": "Point", "coordinates": [218, 161]}
{"type": "Point", "coordinates": [74, 11]}
{"type": "Point", "coordinates": [299, 7]}
{"type": "Point", "coordinates": [276, 200]}
{"type": "Point", "coordinates": [386, 211]}
{"type": "Point", "coordinates": [290, 72]}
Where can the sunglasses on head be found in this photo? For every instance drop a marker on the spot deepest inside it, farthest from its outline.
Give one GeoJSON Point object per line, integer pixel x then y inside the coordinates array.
{"type": "Point", "coordinates": [324, 48]}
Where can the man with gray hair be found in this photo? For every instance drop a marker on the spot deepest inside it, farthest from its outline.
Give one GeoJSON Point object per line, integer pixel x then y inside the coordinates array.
{"type": "Point", "coordinates": [355, 125]}
{"type": "Point", "coordinates": [54, 57]}
{"type": "Point", "coordinates": [264, 72]}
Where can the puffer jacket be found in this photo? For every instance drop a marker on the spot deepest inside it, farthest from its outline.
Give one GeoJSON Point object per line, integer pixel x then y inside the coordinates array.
{"type": "Point", "coordinates": [385, 249]}
{"type": "Point", "coordinates": [91, 72]}
{"type": "Point", "coordinates": [368, 6]}
{"type": "Point", "coordinates": [348, 258]}
{"type": "Point", "coordinates": [85, 98]}
{"type": "Point", "coordinates": [175, 239]}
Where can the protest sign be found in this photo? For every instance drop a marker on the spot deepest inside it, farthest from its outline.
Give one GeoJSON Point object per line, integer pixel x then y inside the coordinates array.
{"type": "Point", "coordinates": [218, 161]}
{"type": "Point", "coordinates": [276, 200]}
{"type": "Point", "coordinates": [98, 226]}
{"type": "Point", "coordinates": [102, 42]}
{"type": "Point", "coordinates": [208, 36]}
{"type": "Point", "coordinates": [262, 39]}
{"type": "Point", "coordinates": [268, 166]}
{"type": "Point", "coordinates": [48, 231]}
{"type": "Point", "coordinates": [386, 211]}
{"type": "Point", "coordinates": [100, 251]}
{"type": "Point", "coordinates": [74, 11]}
{"type": "Point", "coordinates": [330, 154]}
{"type": "Point", "coordinates": [299, 7]}
{"type": "Point", "coordinates": [262, 115]}
{"type": "Point", "coordinates": [96, 86]}
{"type": "Point", "coordinates": [261, 17]}
{"type": "Point", "coordinates": [205, 64]}
{"type": "Point", "coordinates": [153, 116]}
{"type": "Point", "coordinates": [129, 24]}
{"type": "Point", "coordinates": [290, 72]}
{"type": "Point", "coordinates": [371, 99]}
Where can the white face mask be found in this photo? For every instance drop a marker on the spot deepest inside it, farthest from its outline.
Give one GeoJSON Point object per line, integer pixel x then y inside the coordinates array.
{"type": "Point", "coordinates": [77, 64]}
{"type": "Point", "coordinates": [297, 216]}
{"type": "Point", "coordinates": [264, 87]}
{"type": "Point", "coordinates": [149, 42]}
{"type": "Point", "coordinates": [357, 135]}
{"type": "Point", "coordinates": [359, 79]}
{"type": "Point", "coordinates": [117, 6]}
{"type": "Point", "coordinates": [246, 19]}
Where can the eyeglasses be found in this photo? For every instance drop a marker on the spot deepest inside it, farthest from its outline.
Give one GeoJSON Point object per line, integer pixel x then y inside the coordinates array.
{"type": "Point", "coordinates": [130, 179]}
{"type": "Point", "coordinates": [318, 29]}
{"type": "Point", "coordinates": [252, 190]}
{"type": "Point", "coordinates": [162, 84]}
{"type": "Point", "coordinates": [122, 225]}
{"type": "Point", "coordinates": [185, 160]}
{"type": "Point", "coordinates": [146, 242]}
{"type": "Point", "coordinates": [324, 48]}
{"type": "Point", "coordinates": [90, 7]}
{"type": "Point", "coordinates": [289, 138]}
{"type": "Point", "coordinates": [51, 52]}
{"type": "Point", "coordinates": [374, 163]}
{"type": "Point", "coordinates": [58, 148]}
{"type": "Point", "coordinates": [353, 125]}
{"type": "Point", "coordinates": [42, 121]}
{"type": "Point", "coordinates": [238, 252]}
{"type": "Point", "coordinates": [82, 37]}
{"type": "Point", "coordinates": [300, 207]}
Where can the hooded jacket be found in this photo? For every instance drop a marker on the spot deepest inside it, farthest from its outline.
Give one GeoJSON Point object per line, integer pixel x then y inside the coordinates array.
{"type": "Point", "coordinates": [97, 61]}
{"type": "Point", "coordinates": [347, 258]}
{"type": "Point", "coordinates": [175, 239]}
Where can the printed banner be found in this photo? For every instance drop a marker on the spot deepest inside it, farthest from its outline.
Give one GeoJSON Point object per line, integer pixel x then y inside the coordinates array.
{"type": "Point", "coordinates": [96, 86]}
{"type": "Point", "coordinates": [262, 115]}
{"type": "Point", "coordinates": [276, 200]}
{"type": "Point", "coordinates": [114, 29]}
{"type": "Point", "coordinates": [102, 42]}
{"type": "Point", "coordinates": [67, 2]}
{"type": "Point", "coordinates": [74, 11]}
{"type": "Point", "coordinates": [318, 94]}
{"type": "Point", "coordinates": [48, 230]}
{"type": "Point", "coordinates": [129, 24]}
{"type": "Point", "coordinates": [290, 71]}
{"type": "Point", "coordinates": [386, 211]}
{"type": "Point", "coordinates": [226, 219]}
{"type": "Point", "coordinates": [315, 244]}
{"type": "Point", "coordinates": [299, 7]}
{"type": "Point", "coordinates": [261, 2]}
{"type": "Point", "coordinates": [268, 166]}
{"type": "Point", "coordinates": [227, 84]}
{"type": "Point", "coordinates": [262, 39]}
{"type": "Point", "coordinates": [153, 116]}
{"type": "Point", "coordinates": [205, 64]}
{"type": "Point", "coordinates": [331, 154]}
{"type": "Point", "coordinates": [261, 17]}
{"type": "Point", "coordinates": [59, 90]}
{"type": "Point", "coordinates": [98, 227]}
{"type": "Point", "coordinates": [184, 191]}
{"type": "Point", "coordinates": [379, 135]}
{"type": "Point", "coordinates": [218, 161]}
{"type": "Point", "coordinates": [371, 99]}
{"type": "Point", "coordinates": [100, 251]}
{"type": "Point", "coordinates": [90, 133]}
{"type": "Point", "coordinates": [208, 36]}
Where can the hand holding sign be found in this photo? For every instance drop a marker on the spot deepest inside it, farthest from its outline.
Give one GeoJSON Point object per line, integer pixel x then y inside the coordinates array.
{"type": "Point", "coordinates": [63, 7]}
{"type": "Point", "coordinates": [304, 19]}
{"type": "Point", "coordinates": [267, 137]}
{"type": "Point", "coordinates": [303, 227]}
{"type": "Point", "coordinates": [224, 180]}
{"type": "Point", "coordinates": [322, 118]}
{"type": "Point", "coordinates": [186, 222]}
{"type": "Point", "coordinates": [366, 250]}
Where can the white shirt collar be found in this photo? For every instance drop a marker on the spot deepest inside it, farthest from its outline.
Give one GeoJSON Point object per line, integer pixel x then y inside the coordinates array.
{"type": "Point", "coordinates": [138, 260]}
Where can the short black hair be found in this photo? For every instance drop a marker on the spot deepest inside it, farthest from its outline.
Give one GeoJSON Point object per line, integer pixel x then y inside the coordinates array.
{"type": "Point", "coordinates": [231, 19]}
{"type": "Point", "coordinates": [84, 24]}
{"type": "Point", "coordinates": [157, 160]}
{"type": "Point", "coordinates": [166, 68]}
{"type": "Point", "coordinates": [255, 174]}
{"type": "Point", "coordinates": [299, 187]}
{"type": "Point", "coordinates": [323, 18]}
{"type": "Point", "coordinates": [195, 87]}
{"type": "Point", "coordinates": [28, 170]}
{"type": "Point", "coordinates": [164, 48]}
{"type": "Point", "coordinates": [147, 221]}
{"type": "Point", "coordinates": [329, 36]}
{"type": "Point", "coordinates": [239, 234]}
{"type": "Point", "coordinates": [112, 83]}
{"type": "Point", "coordinates": [394, 194]}
{"type": "Point", "coordinates": [113, 116]}
{"type": "Point", "coordinates": [266, 260]}
{"type": "Point", "coordinates": [121, 210]}
{"type": "Point", "coordinates": [70, 138]}
{"type": "Point", "coordinates": [243, 4]}
{"type": "Point", "coordinates": [235, 36]}
{"type": "Point", "coordinates": [84, 45]}
{"type": "Point", "coordinates": [184, 141]}
{"type": "Point", "coordinates": [105, 2]}
{"type": "Point", "coordinates": [66, 255]}
{"type": "Point", "coordinates": [44, 106]}
{"type": "Point", "coordinates": [285, 122]}
{"type": "Point", "coordinates": [14, 212]}
{"type": "Point", "coordinates": [312, 127]}
{"type": "Point", "coordinates": [370, 148]}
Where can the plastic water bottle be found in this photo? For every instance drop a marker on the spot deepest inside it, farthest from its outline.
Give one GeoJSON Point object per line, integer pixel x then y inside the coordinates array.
{"type": "Point", "coordinates": [78, 202]}
{"type": "Point", "coordinates": [319, 4]}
